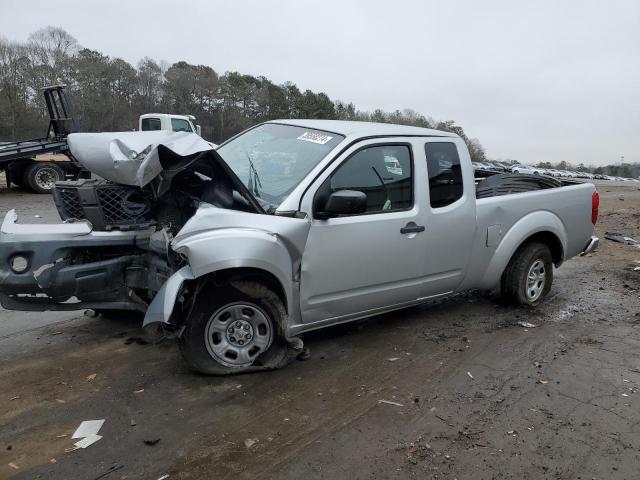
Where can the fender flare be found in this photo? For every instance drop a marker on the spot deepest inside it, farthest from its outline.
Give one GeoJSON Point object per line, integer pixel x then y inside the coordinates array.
{"type": "Point", "coordinates": [223, 249]}
{"type": "Point", "coordinates": [541, 221]}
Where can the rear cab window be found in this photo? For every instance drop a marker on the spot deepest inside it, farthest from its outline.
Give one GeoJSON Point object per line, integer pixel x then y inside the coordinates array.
{"type": "Point", "coordinates": [445, 173]}
{"type": "Point", "coordinates": [150, 124]}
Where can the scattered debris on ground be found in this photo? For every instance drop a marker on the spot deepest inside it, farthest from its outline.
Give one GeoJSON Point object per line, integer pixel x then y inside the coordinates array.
{"type": "Point", "coordinates": [620, 238]}
{"type": "Point", "coordinates": [87, 432]}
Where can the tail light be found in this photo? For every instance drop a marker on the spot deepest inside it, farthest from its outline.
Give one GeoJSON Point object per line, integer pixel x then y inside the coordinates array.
{"type": "Point", "coordinates": [595, 203]}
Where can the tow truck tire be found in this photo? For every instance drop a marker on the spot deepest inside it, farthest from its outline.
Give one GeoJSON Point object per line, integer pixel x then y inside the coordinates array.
{"type": "Point", "coordinates": [235, 329]}
{"type": "Point", "coordinates": [529, 275]}
{"type": "Point", "coordinates": [17, 170]}
{"type": "Point", "coordinates": [42, 176]}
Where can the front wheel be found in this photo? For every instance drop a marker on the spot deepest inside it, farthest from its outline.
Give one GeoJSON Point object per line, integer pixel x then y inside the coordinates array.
{"type": "Point", "coordinates": [235, 329]}
{"type": "Point", "coordinates": [529, 275]}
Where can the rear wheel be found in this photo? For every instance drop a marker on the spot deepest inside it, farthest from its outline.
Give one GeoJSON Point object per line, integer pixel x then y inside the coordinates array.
{"type": "Point", "coordinates": [42, 176]}
{"type": "Point", "coordinates": [235, 329]}
{"type": "Point", "coordinates": [529, 275]}
{"type": "Point", "coordinates": [15, 172]}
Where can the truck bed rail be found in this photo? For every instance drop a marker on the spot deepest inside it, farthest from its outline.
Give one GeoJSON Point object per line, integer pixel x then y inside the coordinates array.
{"type": "Point", "coordinates": [30, 148]}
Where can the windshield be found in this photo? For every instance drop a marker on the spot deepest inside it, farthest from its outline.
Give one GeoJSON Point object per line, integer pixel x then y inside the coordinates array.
{"type": "Point", "coordinates": [272, 159]}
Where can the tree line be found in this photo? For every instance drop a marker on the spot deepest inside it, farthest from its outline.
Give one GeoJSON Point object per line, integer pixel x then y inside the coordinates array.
{"type": "Point", "coordinates": [109, 94]}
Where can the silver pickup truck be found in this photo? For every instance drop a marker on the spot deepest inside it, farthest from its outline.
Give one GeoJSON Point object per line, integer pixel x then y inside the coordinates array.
{"type": "Point", "coordinates": [288, 227]}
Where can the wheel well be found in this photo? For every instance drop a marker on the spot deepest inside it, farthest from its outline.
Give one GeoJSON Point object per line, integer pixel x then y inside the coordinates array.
{"type": "Point", "coordinates": [551, 241]}
{"type": "Point", "coordinates": [223, 277]}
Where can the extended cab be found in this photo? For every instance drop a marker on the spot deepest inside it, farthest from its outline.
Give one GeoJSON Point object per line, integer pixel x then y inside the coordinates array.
{"type": "Point", "coordinates": [291, 226]}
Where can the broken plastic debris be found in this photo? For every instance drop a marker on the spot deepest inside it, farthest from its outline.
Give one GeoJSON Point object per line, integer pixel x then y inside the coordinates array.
{"type": "Point", "coordinates": [163, 477]}
{"type": "Point", "coordinates": [87, 441]}
{"type": "Point", "coordinates": [139, 391]}
{"type": "Point", "coordinates": [389, 402]}
{"type": "Point", "coordinates": [87, 428]}
{"type": "Point", "coordinates": [91, 377]}
{"type": "Point", "coordinates": [620, 238]}
{"type": "Point", "coordinates": [526, 324]}
{"type": "Point", "coordinates": [14, 465]}
{"type": "Point", "coordinates": [542, 381]}
{"type": "Point", "coordinates": [393, 359]}
{"type": "Point", "coordinates": [470, 376]}
{"type": "Point", "coordinates": [250, 442]}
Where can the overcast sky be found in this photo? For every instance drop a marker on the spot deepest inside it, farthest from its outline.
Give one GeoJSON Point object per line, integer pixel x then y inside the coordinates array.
{"type": "Point", "coordinates": [534, 81]}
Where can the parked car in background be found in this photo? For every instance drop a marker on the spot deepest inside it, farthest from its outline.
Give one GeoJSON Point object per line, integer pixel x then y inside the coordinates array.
{"type": "Point", "coordinates": [520, 168]}
{"type": "Point", "coordinates": [498, 167]}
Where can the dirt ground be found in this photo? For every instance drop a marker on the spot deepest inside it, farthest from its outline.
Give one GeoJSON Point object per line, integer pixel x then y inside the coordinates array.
{"type": "Point", "coordinates": [468, 393]}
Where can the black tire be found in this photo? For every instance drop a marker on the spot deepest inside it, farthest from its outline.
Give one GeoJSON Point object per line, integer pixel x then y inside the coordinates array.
{"type": "Point", "coordinates": [16, 172]}
{"type": "Point", "coordinates": [515, 282]}
{"type": "Point", "coordinates": [198, 340]}
{"type": "Point", "coordinates": [41, 176]}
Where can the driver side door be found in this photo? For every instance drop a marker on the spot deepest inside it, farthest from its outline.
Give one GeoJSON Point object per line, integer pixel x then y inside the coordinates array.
{"type": "Point", "coordinates": [361, 264]}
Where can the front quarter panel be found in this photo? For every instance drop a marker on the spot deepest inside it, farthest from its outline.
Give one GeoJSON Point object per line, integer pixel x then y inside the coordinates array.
{"type": "Point", "coordinates": [216, 239]}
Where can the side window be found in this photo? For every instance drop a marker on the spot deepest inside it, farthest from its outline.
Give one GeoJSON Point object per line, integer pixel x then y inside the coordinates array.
{"type": "Point", "coordinates": [383, 173]}
{"type": "Point", "coordinates": [445, 174]}
{"type": "Point", "coordinates": [180, 125]}
{"type": "Point", "coordinates": [150, 124]}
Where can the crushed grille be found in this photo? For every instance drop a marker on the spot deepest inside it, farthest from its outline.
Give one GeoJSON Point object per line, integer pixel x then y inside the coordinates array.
{"type": "Point", "coordinates": [112, 202]}
{"type": "Point", "coordinates": [71, 204]}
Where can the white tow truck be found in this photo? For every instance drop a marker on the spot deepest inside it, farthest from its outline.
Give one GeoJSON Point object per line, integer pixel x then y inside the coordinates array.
{"type": "Point", "coordinates": [168, 122]}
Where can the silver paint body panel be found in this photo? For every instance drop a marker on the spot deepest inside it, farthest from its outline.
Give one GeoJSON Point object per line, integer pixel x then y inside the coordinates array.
{"type": "Point", "coordinates": [342, 269]}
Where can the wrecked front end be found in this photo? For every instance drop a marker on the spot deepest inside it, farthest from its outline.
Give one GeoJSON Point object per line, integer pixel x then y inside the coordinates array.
{"type": "Point", "coordinates": [113, 251]}
{"type": "Point", "coordinates": [69, 267]}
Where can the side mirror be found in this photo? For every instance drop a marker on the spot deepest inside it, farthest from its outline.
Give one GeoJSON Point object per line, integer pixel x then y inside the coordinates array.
{"type": "Point", "coordinates": [198, 130]}
{"type": "Point", "coordinates": [344, 202]}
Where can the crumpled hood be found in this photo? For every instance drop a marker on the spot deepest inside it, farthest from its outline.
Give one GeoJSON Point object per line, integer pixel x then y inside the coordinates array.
{"type": "Point", "coordinates": [132, 158]}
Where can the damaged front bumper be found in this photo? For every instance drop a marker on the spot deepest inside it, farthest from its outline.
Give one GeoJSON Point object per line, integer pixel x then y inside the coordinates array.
{"type": "Point", "coordinates": [68, 266]}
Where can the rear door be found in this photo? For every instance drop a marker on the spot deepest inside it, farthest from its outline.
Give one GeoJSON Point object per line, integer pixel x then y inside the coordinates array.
{"type": "Point", "coordinates": [450, 214]}
{"type": "Point", "coordinates": [359, 264]}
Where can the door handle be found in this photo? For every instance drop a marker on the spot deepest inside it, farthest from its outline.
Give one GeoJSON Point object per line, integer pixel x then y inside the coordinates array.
{"type": "Point", "coordinates": [411, 227]}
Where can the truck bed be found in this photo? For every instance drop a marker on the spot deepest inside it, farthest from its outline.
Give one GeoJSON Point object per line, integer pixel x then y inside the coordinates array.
{"type": "Point", "coordinates": [30, 148]}
{"type": "Point", "coordinates": [508, 183]}
{"type": "Point", "coordinates": [566, 210]}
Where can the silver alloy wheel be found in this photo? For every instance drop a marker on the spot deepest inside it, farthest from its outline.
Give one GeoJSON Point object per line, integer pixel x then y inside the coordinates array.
{"type": "Point", "coordinates": [237, 333]}
{"type": "Point", "coordinates": [46, 178]}
{"type": "Point", "coordinates": [536, 280]}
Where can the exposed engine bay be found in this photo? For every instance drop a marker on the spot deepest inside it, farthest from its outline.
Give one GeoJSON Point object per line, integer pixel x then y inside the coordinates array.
{"type": "Point", "coordinates": [147, 193]}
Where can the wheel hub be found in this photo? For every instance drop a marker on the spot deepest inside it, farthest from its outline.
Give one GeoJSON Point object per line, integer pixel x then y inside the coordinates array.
{"type": "Point", "coordinates": [536, 279]}
{"type": "Point", "coordinates": [46, 178]}
{"type": "Point", "coordinates": [237, 333]}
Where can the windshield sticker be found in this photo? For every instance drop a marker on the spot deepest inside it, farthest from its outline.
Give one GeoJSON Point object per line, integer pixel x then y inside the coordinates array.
{"type": "Point", "coordinates": [315, 137]}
